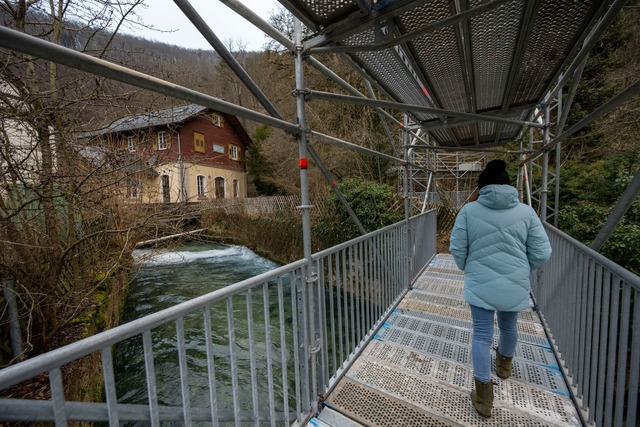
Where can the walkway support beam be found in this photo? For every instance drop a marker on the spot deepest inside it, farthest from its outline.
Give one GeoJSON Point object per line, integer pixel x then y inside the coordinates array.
{"type": "Point", "coordinates": [544, 191]}
{"type": "Point", "coordinates": [237, 68]}
{"type": "Point", "coordinates": [20, 42]}
{"type": "Point", "coordinates": [309, 307]}
{"type": "Point", "coordinates": [221, 49]}
{"type": "Point", "coordinates": [339, 195]}
{"type": "Point", "coordinates": [624, 96]}
{"type": "Point", "coordinates": [314, 44]}
{"type": "Point", "coordinates": [272, 32]}
{"type": "Point", "coordinates": [260, 23]}
{"type": "Point", "coordinates": [326, 96]}
{"type": "Point", "coordinates": [625, 201]}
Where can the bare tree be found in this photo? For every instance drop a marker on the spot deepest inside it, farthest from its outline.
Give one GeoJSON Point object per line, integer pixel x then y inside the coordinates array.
{"type": "Point", "coordinates": [63, 229]}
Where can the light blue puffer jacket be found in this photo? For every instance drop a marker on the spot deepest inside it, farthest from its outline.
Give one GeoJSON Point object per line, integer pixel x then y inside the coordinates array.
{"type": "Point", "coordinates": [497, 241]}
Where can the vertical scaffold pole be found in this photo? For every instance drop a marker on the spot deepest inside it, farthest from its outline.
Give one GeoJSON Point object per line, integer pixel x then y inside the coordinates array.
{"type": "Point", "coordinates": [405, 178]}
{"type": "Point", "coordinates": [529, 170]}
{"type": "Point", "coordinates": [306, 295]}
{"type": "Point", "coordinates": [545, 165]}
{"type": "Point", "coordinates": [556, 204]}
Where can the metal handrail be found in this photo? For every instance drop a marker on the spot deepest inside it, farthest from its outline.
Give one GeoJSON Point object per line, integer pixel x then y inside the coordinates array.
{"type": "Point", "coordinates": [334, 310]}
{"type": "Point", "coordinates": [590, 307]}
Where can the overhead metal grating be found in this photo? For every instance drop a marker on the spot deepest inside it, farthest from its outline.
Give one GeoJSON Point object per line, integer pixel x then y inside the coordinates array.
{"type": "Point", "coordinates": [491, 58]}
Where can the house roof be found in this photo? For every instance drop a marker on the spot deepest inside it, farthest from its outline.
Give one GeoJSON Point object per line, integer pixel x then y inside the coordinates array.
{"type": "Point", "coordinates": [169, 116]}
{"type": "Point", "coordinates": [153, 119]}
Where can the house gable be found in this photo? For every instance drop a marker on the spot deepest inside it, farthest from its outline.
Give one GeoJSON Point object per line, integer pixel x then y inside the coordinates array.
{"type": "Point", "coordinates": [206, 143]}
{"type": "Point", "coordinates": [189, 158]}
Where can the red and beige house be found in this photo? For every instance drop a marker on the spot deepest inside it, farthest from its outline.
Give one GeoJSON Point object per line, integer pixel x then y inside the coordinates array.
{"type": "Point", "coordinates": [183, 154]}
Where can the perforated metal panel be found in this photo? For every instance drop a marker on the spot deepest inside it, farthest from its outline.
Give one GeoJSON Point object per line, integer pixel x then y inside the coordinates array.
{"type": "Point", "coordinates": [554, 33]}
{"type": "Point", "coordinates": [433, 286]}
{"type": "Point", "coordinates": [425, 400]}
{"type": "Point", "coordinates": [406, 321]}
{"type": "Point", "coordinates": [493, 52]}
{"type": "Point", "coordinates": [319, 14]}
{"type": "Point", "coordinates": [417, 370]}
{"type": "Point", "coordinates": [438, 55]}
{"type": "Point", "coordinates": [380, 410]}
{"type": "Point", "coordinates": [444, 268]}
{"type": "Point", "coordinates": [452, 302]}
{"type": "Point", "coordinates": [438, 275]}
{"type": "Point", "coordinates": [457, 345]}
{"type": "Point", "coordinates": [445, 263]}
{"type": "Point", "coordinates": [395, 75]}
{"type": "Point", "coordinates": [502, 59]}
{"type": "Point", "coordinates": [418, 302]}
{"type": "Point", "coordinates": [398, 357]}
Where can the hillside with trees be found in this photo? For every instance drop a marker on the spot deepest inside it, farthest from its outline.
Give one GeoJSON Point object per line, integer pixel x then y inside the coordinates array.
{"type": "Point", "coordinates": [599, 162]}
{"type": "Point", "coordinates": [66, 240]}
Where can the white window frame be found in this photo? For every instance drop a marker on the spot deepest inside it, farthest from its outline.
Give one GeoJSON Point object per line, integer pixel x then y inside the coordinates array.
{"type": "Point", "coordinates": [201, 185]}
{"type": "Point", "coordinates": [234, 152]}
{"type": "Point", "coordinates": [162, 140]}
{"type": "Point", "coordinates": [131, 145]}
{"type": "Point", "coordinates": [216, 119]}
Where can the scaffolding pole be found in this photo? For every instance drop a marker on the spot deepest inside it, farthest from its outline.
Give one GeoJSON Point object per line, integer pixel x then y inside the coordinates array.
{"type": "Point", "coordinates": [545, 165]}
{"type": "Point", "coordinates": [220, 48]}
{"type": "Point", "coordinates": [625, 201]}
{"type": "Point", "coordinates": [327, 96]}
{"type": "Point", "coordinates": [624, 96]}
{"type": "Point", "coordinates": [240, 72]}
{"type": "Point", "coordinates": [306, 294]}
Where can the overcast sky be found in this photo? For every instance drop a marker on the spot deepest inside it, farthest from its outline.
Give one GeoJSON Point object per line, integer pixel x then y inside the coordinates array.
{"type": "Point", "coordinates": [225, 23]}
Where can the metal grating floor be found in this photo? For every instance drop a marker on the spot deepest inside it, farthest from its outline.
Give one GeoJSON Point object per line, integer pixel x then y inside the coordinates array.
{"type": "Point", "coordinates": [417, 370]}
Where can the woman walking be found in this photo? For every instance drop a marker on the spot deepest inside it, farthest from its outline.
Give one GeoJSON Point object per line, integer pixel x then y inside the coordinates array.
{"type": "Point", "coordinates": [497, 241]}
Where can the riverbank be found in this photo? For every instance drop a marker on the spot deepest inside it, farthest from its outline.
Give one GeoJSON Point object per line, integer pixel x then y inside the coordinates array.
{"type": "Point", "coordinates": [83, 379]}
{"type": "Point", "coordinates": [277, 238]}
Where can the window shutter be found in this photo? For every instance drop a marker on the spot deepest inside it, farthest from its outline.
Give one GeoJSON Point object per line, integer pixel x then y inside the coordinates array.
{"type": "Point", "coordinates": [198, 142]}
{"type": "Point", "coordinates": [229, 151]}
{"type": "Point", "coordinates": [155, 143]}
{"type": "Point", "coordinates": [168, 139]}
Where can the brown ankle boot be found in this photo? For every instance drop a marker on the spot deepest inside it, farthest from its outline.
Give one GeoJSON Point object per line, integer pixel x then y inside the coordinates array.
{"type": "Point", "coordinates": [482, 397]}
{"type": "Point", "coordinates": [503, 366]}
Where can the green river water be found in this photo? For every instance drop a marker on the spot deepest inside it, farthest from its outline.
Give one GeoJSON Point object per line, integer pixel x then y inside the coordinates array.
{"type": "Point", "coordinates": [163, 279]}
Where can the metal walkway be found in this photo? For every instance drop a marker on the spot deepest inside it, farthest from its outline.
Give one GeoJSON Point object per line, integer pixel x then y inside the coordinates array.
{"type": "Point", "coordinates": [417, 370]}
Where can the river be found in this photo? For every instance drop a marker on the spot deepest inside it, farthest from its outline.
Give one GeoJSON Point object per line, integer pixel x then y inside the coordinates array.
{"type": "Point", "coordinates": [163, 279]}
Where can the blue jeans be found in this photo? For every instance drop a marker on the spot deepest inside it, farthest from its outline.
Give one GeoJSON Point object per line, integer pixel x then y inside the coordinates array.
{"type": "Point", "coordinates": [483, 339]}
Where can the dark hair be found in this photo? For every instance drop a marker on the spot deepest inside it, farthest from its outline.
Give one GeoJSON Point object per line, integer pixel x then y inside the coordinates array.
{"type": "Point", "coordinates": [494, 173]}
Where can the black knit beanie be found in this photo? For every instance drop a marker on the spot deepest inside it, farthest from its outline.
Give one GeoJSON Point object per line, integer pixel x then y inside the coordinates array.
{"type": "Point", "coordinates": [494, 173]}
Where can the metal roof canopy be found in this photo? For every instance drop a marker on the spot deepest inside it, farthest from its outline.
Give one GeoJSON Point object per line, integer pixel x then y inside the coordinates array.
{"type": "Point", "coordinates": [495, 59]}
